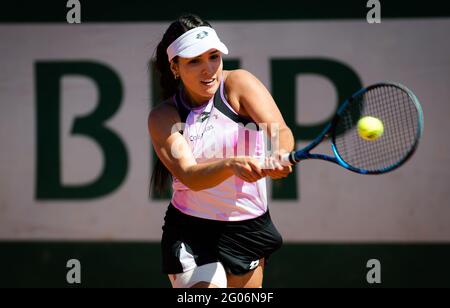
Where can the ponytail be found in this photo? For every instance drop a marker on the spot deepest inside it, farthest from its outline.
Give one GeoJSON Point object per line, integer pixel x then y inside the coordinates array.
{"type": "Point", "coordinates": [169, 86]}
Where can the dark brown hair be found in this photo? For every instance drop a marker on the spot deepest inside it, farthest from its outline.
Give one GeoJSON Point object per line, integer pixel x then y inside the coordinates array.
{"type": "Point", "coordinates": [169, 85]}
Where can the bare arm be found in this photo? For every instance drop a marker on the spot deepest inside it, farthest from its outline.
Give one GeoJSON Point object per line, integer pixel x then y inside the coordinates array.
{"type": "Point", "coordinates": [258, 103]}
{"type": "Point", "coordinates": [174, 152]}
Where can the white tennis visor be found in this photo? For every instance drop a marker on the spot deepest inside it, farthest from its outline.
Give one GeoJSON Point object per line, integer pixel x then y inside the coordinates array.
{"type": "Point", "coordinates": [195, 42]}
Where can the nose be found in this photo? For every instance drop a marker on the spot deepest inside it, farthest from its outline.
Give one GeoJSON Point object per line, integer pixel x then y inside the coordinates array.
{"type": "Point", "coordinates": [208, 68]}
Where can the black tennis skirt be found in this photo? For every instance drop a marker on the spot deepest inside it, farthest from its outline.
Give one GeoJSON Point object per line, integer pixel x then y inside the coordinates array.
{"type": "Point", "coordinates": [238, 245]}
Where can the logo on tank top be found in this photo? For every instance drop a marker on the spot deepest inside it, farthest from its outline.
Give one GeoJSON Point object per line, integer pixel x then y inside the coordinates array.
{"type": "Point", "coordinates": [203, 116]}
{"type": "Point", "coordinates": [254, 264]}
{"type": "Point", "coordinates": [199, 136]}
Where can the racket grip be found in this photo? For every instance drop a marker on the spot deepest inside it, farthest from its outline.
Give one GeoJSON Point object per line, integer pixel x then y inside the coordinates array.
{"type": "Point", "coordinates": [285, 161]}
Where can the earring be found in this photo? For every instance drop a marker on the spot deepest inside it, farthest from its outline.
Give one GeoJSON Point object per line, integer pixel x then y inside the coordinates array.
{"type": "Point", "coordinates": [176, 76]}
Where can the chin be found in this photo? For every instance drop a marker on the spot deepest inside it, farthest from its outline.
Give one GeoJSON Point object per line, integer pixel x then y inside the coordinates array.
{"type": "Point", "coordinates": [213, 89]}
{"type": "Point", "coordinates": [208, 92]}
{"type": "Point", "coordinates": [211, 92]}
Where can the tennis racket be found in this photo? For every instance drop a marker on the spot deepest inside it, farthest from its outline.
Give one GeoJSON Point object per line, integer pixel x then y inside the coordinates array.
{"type": "Point", "coordinates": [401, 114]}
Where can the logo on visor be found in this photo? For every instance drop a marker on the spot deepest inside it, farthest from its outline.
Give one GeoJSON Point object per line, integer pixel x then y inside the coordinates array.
{"type": "Point", "coordinates": [201, 35]}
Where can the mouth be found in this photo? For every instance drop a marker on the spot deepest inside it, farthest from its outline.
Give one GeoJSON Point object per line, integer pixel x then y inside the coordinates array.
{"type": "Point", "coordinates": [208, 82]}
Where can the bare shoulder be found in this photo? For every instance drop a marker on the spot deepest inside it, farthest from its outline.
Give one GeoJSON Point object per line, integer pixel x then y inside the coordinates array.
{"type": "Point", "coordinates": [162, 117]}
{"type": "Point", "coordinates": [240, 77]}
{"type": "Point", "coordinates": [241, 82]}
{"type": "Point", "coordinates": [164, 108]}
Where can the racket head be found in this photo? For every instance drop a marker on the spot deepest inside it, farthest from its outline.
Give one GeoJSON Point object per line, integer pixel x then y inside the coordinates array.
{"type": "Point", "coordinates": [401, 114]}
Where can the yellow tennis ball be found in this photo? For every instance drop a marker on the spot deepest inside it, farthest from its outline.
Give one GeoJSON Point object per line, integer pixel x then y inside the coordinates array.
{"type": "Point", "coordinates": [370, 128]}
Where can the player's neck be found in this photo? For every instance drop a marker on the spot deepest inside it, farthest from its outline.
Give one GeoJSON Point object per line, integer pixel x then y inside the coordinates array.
{"type": "Point", "coordinates": [191, 102]}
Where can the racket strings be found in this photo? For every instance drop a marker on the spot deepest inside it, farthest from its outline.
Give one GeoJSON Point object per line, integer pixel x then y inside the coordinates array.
{"type": "Point", "coordinates": [399, 115]}
{"type": "Point", "coordinates": [392, 144]}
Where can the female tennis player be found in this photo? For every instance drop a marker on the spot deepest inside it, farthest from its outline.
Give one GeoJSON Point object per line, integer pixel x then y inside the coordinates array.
{"type": "Point", "coordinates": [208, 135]}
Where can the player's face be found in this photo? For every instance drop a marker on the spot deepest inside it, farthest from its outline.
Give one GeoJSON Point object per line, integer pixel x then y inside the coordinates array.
{"type": "Point", "coordinates": [201, 75]}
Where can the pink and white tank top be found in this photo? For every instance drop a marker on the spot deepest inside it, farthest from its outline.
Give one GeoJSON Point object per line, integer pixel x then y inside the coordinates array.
{"type": "Point", "coordinates": [215, 131]}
